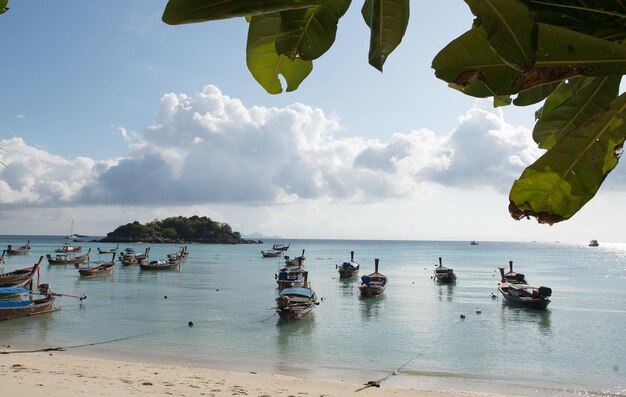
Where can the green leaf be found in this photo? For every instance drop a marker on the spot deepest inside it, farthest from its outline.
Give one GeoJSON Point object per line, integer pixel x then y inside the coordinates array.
{"type": "Point", "coordinates": [593, 97]}
{"type": "Point", "coordinates": [191, 11]}
{"type": "Point", "coordinates": [307, 33]}
{"type": "Point", "coordinates": [387, 20]}
{"type": "Point", "coordinates": [535, 94]}
{"type": "Point", "coordinates": [510, 28]}
{"type": "Point", "coordinates": [3, 6]}
{"type": "Point", "coordinates": [469, 64]}
{"type": "Point", "coordinates": [263, 61]}
{"type": "Point", "coordinates": [563, 92]}
{"type": "Point", "coordinates": [567, 176]}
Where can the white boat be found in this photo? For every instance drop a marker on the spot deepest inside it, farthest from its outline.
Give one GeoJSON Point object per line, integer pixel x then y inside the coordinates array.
{"type": "Point", "coordinates": [593, 243]}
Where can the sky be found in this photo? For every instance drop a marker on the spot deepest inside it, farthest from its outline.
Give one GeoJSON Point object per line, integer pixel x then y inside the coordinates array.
{"type": "Point", "coordinates": [108, 115]}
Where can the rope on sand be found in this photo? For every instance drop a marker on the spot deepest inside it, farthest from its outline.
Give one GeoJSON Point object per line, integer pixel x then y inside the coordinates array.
{"type": "Point", "coordinates": [63, 348]}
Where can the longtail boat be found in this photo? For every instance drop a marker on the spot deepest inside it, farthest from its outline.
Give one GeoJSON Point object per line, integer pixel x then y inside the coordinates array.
{"type": "Point", "coordinates": [19, 277]}
{"type": "Point", "coordinates": [10, 309]}
{"type": "Point", "coordinates": [109, 251]}
{"type": "Point", "coordinates": [68, 259]}
{"type": "Point", "coordinates": [95, 269]}
{"type": "Point", "coordinates": [23, 250]}
{"type": "Point", "coordinates": [295, 303]}
{"type": "Point", "coordinates": [444, 274]}
{"type": "Point", "coordinates": [349, 269]}
{"type": "Point", "coordinates": [373, 284]}
{"type": "Point", "coordinates": [297, 261]}
{"type": "Point", "coordinates": [69, 248]}
{"type": "Point", "coordinates": [524, 295]}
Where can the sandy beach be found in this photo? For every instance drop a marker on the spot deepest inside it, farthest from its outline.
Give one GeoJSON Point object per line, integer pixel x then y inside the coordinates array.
{"type": "Point", "coordinates": [64, 374]}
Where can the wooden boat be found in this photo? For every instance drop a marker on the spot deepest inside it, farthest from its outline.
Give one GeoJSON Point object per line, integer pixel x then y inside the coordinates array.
{"type": "Point", "coordinates": [271, 254]}
{"type": "Point", "coordinates": [473, 242]}
{"type": "Point", "coordinates": [594, 243]}
{"type": "Point", "coordinates": [23, 250]}
{"type": "Point", "coordinates": [68, 259]}
{"type": "Point", "coordinates": [280, 247]}
{"type": "Point", "coordinates": [288, 277]}
{"type": "Point", "coordinates": [511, 276]}
{"type": "Point", "coordinates": [297, 261]}
{"type": "Point", "coordinates": [10, 309]}
{"type": "Point", "coordinates": [170, 264]}
{"type": "Point", "coordinates": [295, 303]}
{"type": "Point", "coordinates": [96, 269]}
{"type": "Point", "coordinates": [526, 296]}
{"type": "Point", "coordinates": [444, 274]}
{"type": "Point", "coordinates": [19, 277]}
{"type": "Point", "coordinates": [109, 251]}
{"type": "Point", "coordinates": [373, 284]}
{"type": "Point", "coordinates": [69, 248]}
{"type": "Point", "coordinates": [349, 269]}
{"type": "Point", "coordinates": [132, 259]}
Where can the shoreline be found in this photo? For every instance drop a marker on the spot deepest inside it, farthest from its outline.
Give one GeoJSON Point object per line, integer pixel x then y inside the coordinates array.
{"type": "Point", "coordinates": [59, 373]}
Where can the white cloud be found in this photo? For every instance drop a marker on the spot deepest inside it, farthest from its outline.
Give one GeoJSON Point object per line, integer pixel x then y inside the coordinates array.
{"type": "Point", "coordinates": [209, 152]}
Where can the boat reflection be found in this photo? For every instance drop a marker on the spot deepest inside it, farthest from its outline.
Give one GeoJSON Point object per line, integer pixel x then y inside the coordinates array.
{"type": "Point", "coordinates": [371, 306]}
{"type": "Point", "coordinates": [293, 341]}
{"type": "Point", "coordinates": [348, 286]}
{"type": "Point", "coordinates": [445, 290]}
{"type": "Point", "coordinates": [512, 316]}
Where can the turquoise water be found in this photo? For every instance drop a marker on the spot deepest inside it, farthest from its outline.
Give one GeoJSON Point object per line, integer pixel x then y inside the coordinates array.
{"type": "Point", "coordinates": [227, 291]}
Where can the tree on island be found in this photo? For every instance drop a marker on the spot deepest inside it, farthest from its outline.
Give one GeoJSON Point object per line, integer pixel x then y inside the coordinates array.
{"type": "Point", "coordinates": [569, 53]}
{"type": "Point", "coordinates": [177, 230]}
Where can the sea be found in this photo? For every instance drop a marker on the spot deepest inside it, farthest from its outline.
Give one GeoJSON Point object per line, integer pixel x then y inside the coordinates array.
{"type": "Point", "coordinates": [218, 311]}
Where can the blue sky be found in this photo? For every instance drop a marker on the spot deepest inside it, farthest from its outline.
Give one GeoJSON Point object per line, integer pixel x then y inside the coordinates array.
{"type": "Point", "coordinates": [107, 116]}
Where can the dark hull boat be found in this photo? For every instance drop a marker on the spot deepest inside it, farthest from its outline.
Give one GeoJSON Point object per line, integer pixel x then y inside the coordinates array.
{"type": "Point", "coordinates": [373, 284]}
{"type": "Point", "coordinates": [23, 250]}
{"type": "Point", "coordinates": [444, 274]}
{"type": "Point", "coordinates": [280, 247]}
{"type": "Point", "coordinates": [271, 254]}
{"type": "Point", "coordinates": [15, 309]}
{"type": "Point", "coordinates": [289, 277]}
{"type": "Point", "coordinates": [295, 303]}
{"type": "Point", "coordinates": [90, 270]}
{"type": "Point", "coordinates": [68, 259]}
{"type": "Point", "coordinates": [109, 251]}
{"type": "Point", "coordinates": [349, 269]}
{"type": "Point", "coordinates": [511, 276]}
{"type": "Point", "coordinates": [297, 261]}
{"type": "Point", "coordinates": [524, 295]}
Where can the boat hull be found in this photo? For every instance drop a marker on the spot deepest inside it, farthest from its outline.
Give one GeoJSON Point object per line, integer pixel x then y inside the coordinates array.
{"type": "Point", "coordinates": [528, 303]}
{"type": "Point", "coordinates": [371, 290]}
{"type": "Point", "coordinates": [38, 306]}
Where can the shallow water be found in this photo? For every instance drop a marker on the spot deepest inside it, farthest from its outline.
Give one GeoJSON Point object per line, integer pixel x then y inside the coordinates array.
{"type": "Point", "coordinates": [227, 291]}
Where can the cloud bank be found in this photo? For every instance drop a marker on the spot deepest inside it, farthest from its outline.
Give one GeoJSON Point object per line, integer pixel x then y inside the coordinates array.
{"type": "Point", "coordinates": [211, 148]}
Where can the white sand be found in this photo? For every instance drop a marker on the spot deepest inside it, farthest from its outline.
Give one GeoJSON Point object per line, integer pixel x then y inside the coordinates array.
{"type": "Point", "coordinates": [65, 375]}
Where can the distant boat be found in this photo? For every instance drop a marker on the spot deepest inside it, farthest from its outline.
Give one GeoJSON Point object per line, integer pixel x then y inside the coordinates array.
{"type": "Point", "coordinates": [295, 303]}
{"type": "Point", "coordinates": [68, 259]}
{"type": "Point", "coordinates": [289, 277]}
{"type": "Point", "coordinates": [271, 254]}
{"type": "Point", "coordinates": [594, 243]}
{"type": "Point", "coordinates": [280, 247]}
{"type": "Point", "coordinates": [297, 261]}
{"type": "Point", "coordinates": [96, 269]}
{"type": "Point", "coordinates": [511, 276]}
{"type": "Point", "coordinates": [349, 269]}
{"type": "Point", "coordinates": [109, 251]}
{"type": "Point", "coordinates": [129, 258]}
{"type": "Point", "coordinates": [444, 274]}
{"type": "Point", "coordinates": [23, 250]}
{"type": "Point", "coordinates": [68, 247]}
{"type": "Point", "coordinates": [373, 284]}
{"type": "Point", "coordinates": [473, 242]}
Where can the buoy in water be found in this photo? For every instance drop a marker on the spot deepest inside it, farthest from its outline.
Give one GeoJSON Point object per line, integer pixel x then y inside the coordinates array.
{"type": "Point", "coordinates": [165, 297]}
{"type": "Point", "coordinates": [462, 316]}
{"type": "Point", "coordinates": [190, 323]}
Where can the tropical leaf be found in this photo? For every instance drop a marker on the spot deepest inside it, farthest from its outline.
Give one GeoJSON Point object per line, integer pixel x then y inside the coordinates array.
{"type": "Point", "coordinates": [387, 20]}
{"type": "Point", "coordinates": [567, 176]}
{"type": "Point", "coordinates": [263, 61]}
{"type": "Point", "coordinates": [592, 98]}
{"type": "Point", "coordinates": [191, 11]}
{"type": "Point", "coordinates": [535, 94]}
{"type": "Point", "coordinates": [511, 30]}
{"type": "Point", "coordinates": [469, 64]}
{"type": "Point", "coordinates": [565, 90]}
{"type": "Point", "coordinates": [3, 6]}
{"type": "Point", "coordinates": [307, 33]}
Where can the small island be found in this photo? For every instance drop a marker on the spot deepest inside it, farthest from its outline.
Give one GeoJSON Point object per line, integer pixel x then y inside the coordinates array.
{"type": "Point", "coordinates": [177, 230]}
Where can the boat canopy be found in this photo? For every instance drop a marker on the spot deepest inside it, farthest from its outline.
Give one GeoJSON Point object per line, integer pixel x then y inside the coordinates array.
{"type": "Point", "coordinates": [13, 290]}
{"type": "Point", "coordinates": [297, 291]}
